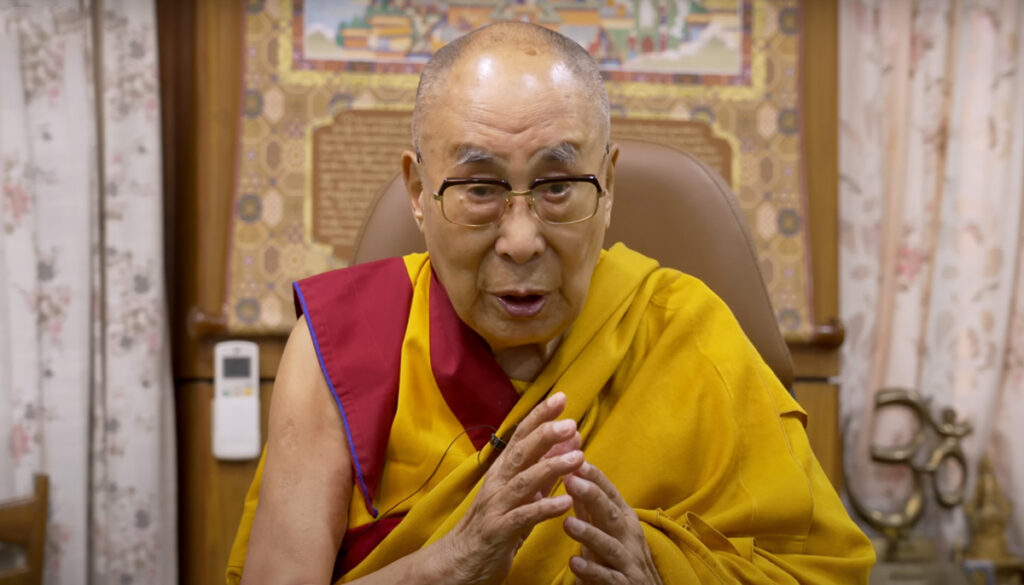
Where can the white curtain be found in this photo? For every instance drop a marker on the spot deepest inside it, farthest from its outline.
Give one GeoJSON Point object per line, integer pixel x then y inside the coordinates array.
{"type": "Point", "coordinates": [85, 385]}
{"type": "Point", "coordinates": [931, 239]}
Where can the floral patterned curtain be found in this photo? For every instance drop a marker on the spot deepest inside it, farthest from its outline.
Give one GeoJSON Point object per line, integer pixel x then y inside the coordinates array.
{"type": "Point", "coordinates": [931, 239]}
{"type": "Point", "coordinates": [85, 391]}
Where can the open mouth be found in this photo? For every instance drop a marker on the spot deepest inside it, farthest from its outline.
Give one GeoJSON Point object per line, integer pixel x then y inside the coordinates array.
{"type": "Point", "coordinates": [522, 306]}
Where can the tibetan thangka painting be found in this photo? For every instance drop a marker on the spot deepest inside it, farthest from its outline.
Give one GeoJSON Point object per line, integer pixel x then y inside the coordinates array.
{"type": "Point", "coordinates": [329, 88]}
{"type": "Point", "coordinates": [680, 38]}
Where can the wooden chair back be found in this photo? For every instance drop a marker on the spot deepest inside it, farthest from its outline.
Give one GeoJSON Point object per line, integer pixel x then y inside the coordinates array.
{"type": "Point", "coordinates": [23, 523]}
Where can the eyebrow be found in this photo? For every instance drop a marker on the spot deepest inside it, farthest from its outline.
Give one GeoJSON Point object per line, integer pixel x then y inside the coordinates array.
{"type": "Point", "coordinates": [466, 154]}
{"type": "Point", "coordinates": [563, 152]}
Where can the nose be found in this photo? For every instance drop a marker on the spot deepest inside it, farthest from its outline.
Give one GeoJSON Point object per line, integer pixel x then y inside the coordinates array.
{"type": "Point", "coordinates": [519, 233]}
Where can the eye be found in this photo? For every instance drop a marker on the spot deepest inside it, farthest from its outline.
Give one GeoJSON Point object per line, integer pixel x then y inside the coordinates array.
{"type": "Point", "coordinates": [559, 188]}
{"type": "Point", "coordinates": [554, 190]}
{"type": "Point", "coordinates": [483, 190]}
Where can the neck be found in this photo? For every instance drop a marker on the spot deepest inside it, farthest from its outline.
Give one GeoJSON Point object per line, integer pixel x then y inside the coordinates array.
{"type": "Point", "coordinates": [524, 362]}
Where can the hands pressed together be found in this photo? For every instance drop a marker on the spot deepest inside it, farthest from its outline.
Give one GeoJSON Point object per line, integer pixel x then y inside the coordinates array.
{"type": "Point", "coordinates": [513, 499]}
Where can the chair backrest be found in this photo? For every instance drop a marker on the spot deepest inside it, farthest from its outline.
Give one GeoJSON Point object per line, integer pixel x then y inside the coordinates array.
{"type": "Point", "coordinates": [23, 523]}
{"type": "Point", "coordinates": [669, 206]}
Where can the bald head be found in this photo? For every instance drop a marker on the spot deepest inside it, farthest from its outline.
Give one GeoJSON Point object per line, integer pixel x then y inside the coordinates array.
{"type": "Point", "coordinates": [529, 40]}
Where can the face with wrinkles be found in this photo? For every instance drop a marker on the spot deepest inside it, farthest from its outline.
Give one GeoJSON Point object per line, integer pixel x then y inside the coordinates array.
{"type": "Point", "coordinates": [512, 113]}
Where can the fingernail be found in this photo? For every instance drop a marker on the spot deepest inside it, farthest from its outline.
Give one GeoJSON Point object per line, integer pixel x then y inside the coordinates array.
{"type": "Point", "coordinates": [579, 485]}
{"type": "Point", "coordinates": [573, 524]}
{"type": "Point", "coordinates": [562, 500]}
{"type": "Point", "coordinates": [578, 563]}
{"type": "Point", "coordinates": [555, 398]}
{"type": "Point", "coordinates": [565, 425]}
{"type": "Point", "coordinates": [572, 457]}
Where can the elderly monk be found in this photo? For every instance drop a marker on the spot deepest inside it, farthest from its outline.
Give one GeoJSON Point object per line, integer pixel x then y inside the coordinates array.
{"type": "Point", "coordinates": [517, 405]}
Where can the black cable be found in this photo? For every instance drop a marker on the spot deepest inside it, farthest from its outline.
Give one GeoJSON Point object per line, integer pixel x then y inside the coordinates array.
{"type": "Point", "coordinates": [495, 441]}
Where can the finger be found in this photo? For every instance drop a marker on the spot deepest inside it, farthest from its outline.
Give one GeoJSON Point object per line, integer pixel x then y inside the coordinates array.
{"type": "Point", "coordinates": [543, 412]}
{"type": "Point", "coordinates": [580, 511]}
{"type": "Point", "coordinates": [523, 518]}
{"type": "Point", "coordinates": [585, 553]}
{"type": "Point", "coordinates": [590, 572]}
{"type": "Point", "coordinates": [516, 456]}
{"type": "Point", "coordinates": [539, 477]}
{"type": "Point", "coordinates": [526, 450]}
{"type": "Point", "coordinates": [526, 534]}
{"type": "Point", "coordinates": [604, 548]}
{"type": "Point", "coordinates": [579, 508]}
{"type": "Point", "coordinates": [591, 472]}
{"type": "Point", "coordinates": [558, 450]}
{"type": "Point", "coordinates": [571, 444]}
{"type": "Point", "coordinates": [601, 510]}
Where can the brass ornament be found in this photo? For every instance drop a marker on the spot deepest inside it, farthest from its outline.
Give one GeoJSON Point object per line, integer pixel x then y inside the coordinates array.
{"type": "Point", "coordinates": [925, 465]}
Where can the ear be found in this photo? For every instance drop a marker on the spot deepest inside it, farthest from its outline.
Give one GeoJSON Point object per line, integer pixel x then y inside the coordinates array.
{"type": "Point", "coordinates": [608, 180]}
{"type": "Point", "coordinates": [413, 185]}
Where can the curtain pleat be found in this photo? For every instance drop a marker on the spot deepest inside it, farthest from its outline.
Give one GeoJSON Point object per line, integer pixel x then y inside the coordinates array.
{"type": "Point", "coordinates": [85, 390]}
{"type": "Point", "coordinates": [931, 200]}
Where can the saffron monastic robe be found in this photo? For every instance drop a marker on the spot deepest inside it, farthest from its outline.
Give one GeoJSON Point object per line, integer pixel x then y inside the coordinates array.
{"type": "Point", "coordinates": [672, 401]}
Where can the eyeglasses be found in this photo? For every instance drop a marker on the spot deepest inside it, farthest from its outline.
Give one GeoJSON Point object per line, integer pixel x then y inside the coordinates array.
{"type": "Point", "coordinates": [474, 202]}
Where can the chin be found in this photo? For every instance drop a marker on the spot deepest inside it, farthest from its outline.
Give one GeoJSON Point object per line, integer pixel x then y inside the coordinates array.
{"type": "Point", "coordinates": [519, 334]}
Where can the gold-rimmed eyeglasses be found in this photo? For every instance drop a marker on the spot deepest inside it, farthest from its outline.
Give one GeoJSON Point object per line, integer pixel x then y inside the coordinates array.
{"type": "Point", "coordinates": [476, 202]}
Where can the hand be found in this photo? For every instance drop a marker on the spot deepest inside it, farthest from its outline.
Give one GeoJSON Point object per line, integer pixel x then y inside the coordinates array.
{"type": "Point", "coordinates": [512, 498]}
{"type": "Point", "coordinates": [614, 549]}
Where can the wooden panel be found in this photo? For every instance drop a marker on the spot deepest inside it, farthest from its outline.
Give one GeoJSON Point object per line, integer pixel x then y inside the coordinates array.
{"type": "Point", "coordinates": [202, 94]}
{"type": "Point", "coordinates": [821, 401]}
{"type": "Point", "coordinates": [175, 39]}
{"type": "Point", "coordinates": [815, 363]}
{"type": "Point", "coordinates": [819, 84]}
{"type": "Point", "coordinates": [819, 88]}
{"type": "Point", "coordinates": [211, 492]}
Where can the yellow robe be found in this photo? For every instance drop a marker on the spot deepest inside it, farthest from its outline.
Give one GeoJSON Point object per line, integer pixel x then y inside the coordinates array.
{"type": "Point", "coordinates": [677, 408]}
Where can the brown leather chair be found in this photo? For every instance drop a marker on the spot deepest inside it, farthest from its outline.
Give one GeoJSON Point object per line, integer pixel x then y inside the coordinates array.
{"type": "Point", "coordinates": [669, 206]}
{"type": "Point", "coordinates": [23, 523]}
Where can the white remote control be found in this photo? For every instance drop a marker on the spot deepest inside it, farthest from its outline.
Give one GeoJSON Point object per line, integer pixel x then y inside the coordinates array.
{"type": "Point", "coordinates": [236, 400]}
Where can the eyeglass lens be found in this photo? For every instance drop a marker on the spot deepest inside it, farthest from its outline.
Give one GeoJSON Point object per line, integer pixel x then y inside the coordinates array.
{"type": "Point", "coordinates": [554, 202]}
